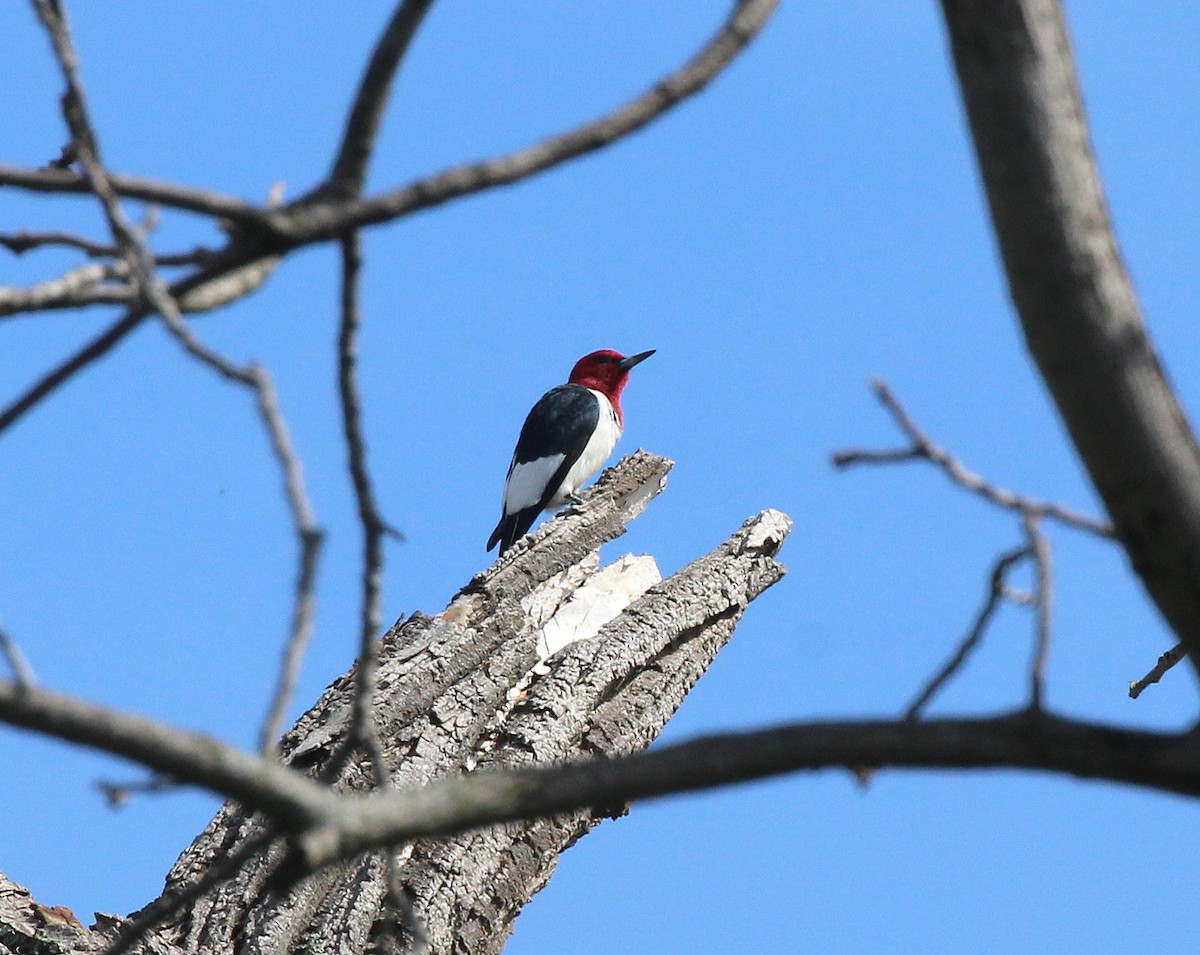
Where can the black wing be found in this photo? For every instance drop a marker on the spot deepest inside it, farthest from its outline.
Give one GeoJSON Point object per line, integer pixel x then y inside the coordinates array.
{"type": "Point", "coordinates": [562, 422]}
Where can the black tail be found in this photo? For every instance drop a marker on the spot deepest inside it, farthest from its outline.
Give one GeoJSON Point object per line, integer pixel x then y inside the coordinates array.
{"type": "Point", "coordinates": [512, 528]}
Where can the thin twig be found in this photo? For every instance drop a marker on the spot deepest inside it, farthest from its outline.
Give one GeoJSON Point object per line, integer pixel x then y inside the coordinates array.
{"type": "Point", "coordinates": [362, 125]}
{"type": "Point", "coordinates": [1031, 511]}
{"type": "Point", "coordinates": [373, 527]}
{"type": "Point", "coordinates": [401, 903]}
{"type": "Point", "coordinates": [307, 222]}
{"type": "Point", "coordinates": [996, 592]}
{"type": "Point", "coordinates": [1043, 590]}
{"type": "Point", "coordinates": [74, 108]}
{"type": "Point", "coordinates": [171, 903]}
{"type": "Point", "coordinates": [304, 522]}
{"type": "Point", "coordinates": [169, 194]}
{"type": "Point", "coordinates": [93, 350]}
{"type": "Point", "coordinates": [236, 272]}
{"type": "Point", "coordinates": [19, 243]}
{"type": "Point", "coordinates": [133, 249]}
{"type": "Point", "coordinates": [117, 794]}
{"type": "Point", "coordinates": [311, 539]}
{"type": "Point", "coordinates": [21, 670]}
{"type": "Point", "coordinates": [1165, 662]}
{"type": "Point", "coordinates": [923, 448]}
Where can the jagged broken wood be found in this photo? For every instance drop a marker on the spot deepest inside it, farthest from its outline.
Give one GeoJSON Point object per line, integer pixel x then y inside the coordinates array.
{"type": "Point", "coordinates": [543, 657]}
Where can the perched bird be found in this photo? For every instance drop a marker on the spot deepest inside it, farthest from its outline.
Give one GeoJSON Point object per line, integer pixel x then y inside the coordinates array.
{"type": "Point", "coordinates": [570, 432]}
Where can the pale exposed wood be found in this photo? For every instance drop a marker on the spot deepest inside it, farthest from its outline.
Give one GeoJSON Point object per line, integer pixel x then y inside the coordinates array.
{"type": "Point", "coordinates": [471, 689]}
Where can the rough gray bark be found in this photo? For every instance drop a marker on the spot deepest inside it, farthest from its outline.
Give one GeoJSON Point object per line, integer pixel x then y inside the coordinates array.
{"type": "Point", "coordinates": [1077, 306]}
{"type": "Point", "coordinates": [472, 688]}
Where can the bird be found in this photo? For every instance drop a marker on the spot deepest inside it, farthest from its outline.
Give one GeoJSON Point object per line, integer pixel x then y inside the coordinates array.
{"type": "Point", "coordinates": [566, 437]}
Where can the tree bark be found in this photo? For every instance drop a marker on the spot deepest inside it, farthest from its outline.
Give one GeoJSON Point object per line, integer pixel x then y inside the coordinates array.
{"type": "Point", "coordinates": [1076, 304]}
{"type": "Point", "coordinates": [543, 657]}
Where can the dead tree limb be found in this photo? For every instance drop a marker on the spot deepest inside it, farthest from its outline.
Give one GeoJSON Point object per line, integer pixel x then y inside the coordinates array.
{"type": "Point", "coordinates": [1077, 307]}
{"type": "Point", "coordinates": [469, 691]}
{"type": "Point", "coordinates": [543, 658]}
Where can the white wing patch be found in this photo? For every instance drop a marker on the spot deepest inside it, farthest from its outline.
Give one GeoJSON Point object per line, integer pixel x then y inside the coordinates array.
{"type": "Point", "coordinates": [527, 482]}
{"type": "Point", "coordinates": [599, 447]}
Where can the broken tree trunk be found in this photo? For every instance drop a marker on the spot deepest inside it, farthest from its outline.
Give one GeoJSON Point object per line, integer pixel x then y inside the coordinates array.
{"type": "Point", "coordinates": [543, 657]}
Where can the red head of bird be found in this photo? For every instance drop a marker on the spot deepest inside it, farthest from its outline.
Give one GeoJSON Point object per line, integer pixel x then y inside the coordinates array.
{"type": "Point", "coordinates": [607, 372]}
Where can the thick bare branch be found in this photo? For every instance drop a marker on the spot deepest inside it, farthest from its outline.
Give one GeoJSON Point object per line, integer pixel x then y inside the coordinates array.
{"type": "Point", "coordinates": [253, 253]}
{"type": "Point", "coordinates": [1033, 740]}
{"type": "Point", "coordinates": [1076, 304]}
{"type": "Point", "coordinates": [1027, 740]}
{"type": "Point", "coordinates": [188, 757]}
{"type": "Point", "coordinates": [366, 114]}
{"type": "Point", "coordinates": [317, 221]}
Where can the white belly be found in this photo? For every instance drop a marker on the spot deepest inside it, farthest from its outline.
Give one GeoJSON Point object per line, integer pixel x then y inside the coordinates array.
{"type": "Point", "coordinates": [601, 445]}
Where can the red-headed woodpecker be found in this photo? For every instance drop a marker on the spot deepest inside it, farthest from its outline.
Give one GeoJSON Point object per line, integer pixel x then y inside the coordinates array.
{"type": "Point", "coordinates": [570, 432]}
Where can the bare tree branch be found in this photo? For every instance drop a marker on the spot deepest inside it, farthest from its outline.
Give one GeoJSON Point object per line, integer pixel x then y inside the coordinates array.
{"type": "Point", "coordinates": [232, 274]}
{"type": "Point", "coordinates": [995, 593]}
{"type": "Point", "coordinates": [79, 288]}
{"type": "Point", "coordinates": [311, 539]}
{"type": "Point", "coordinates": [1031, 511]}
{"type": "Point", "coordinates": [1158, 671]}
{"type": "Point", "coordinates": [308, 533]}
{"type": "Point", "coordinates": [317, 221]}
{"type": "Point", "coordinates": [374, 527]}
{"type": "Point", "coordinates": [1032, 740]}
{"type": "Point", "coordinates": [117, 794]}
{"type": "Point", "coordinates": [188, 757]}
{"type": "Point", "coordinates": [1043, 602]}
{"type": "Point", "coordinates": [252, 253]}
{"type": "Point", "coordinates": [1077, 306]}
{"type": "Point", "coordinates": [155, 296]}
{"type": "Point", "coordinates": [169, 194]}
{"type": "Point", "coordinates": [362, 125]}
{"type": "Point", "coordinates": [1023, 740]}
{"type": "Point", "coordinates": [923, 448]}
{"type": "Point", "coordinates": [21, 242]}
{"type": "Point", "coordinates": [307, 221]}
{"type": "Point", "coordinates": [86, 148]}
{"type": "Point", "coordinates": [21, 670]}
{"type": "Point", "coordinates": [175, 900]}
{"type": "Point", "coordinates": [93, 350]}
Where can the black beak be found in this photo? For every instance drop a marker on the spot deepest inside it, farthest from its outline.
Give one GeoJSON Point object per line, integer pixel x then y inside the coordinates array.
{"type": "Point", "coordinates": [632, 360]}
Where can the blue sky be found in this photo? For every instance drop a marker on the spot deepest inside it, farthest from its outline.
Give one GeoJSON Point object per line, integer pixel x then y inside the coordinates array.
{"type": "Point", "coordinates": [813, 220]}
